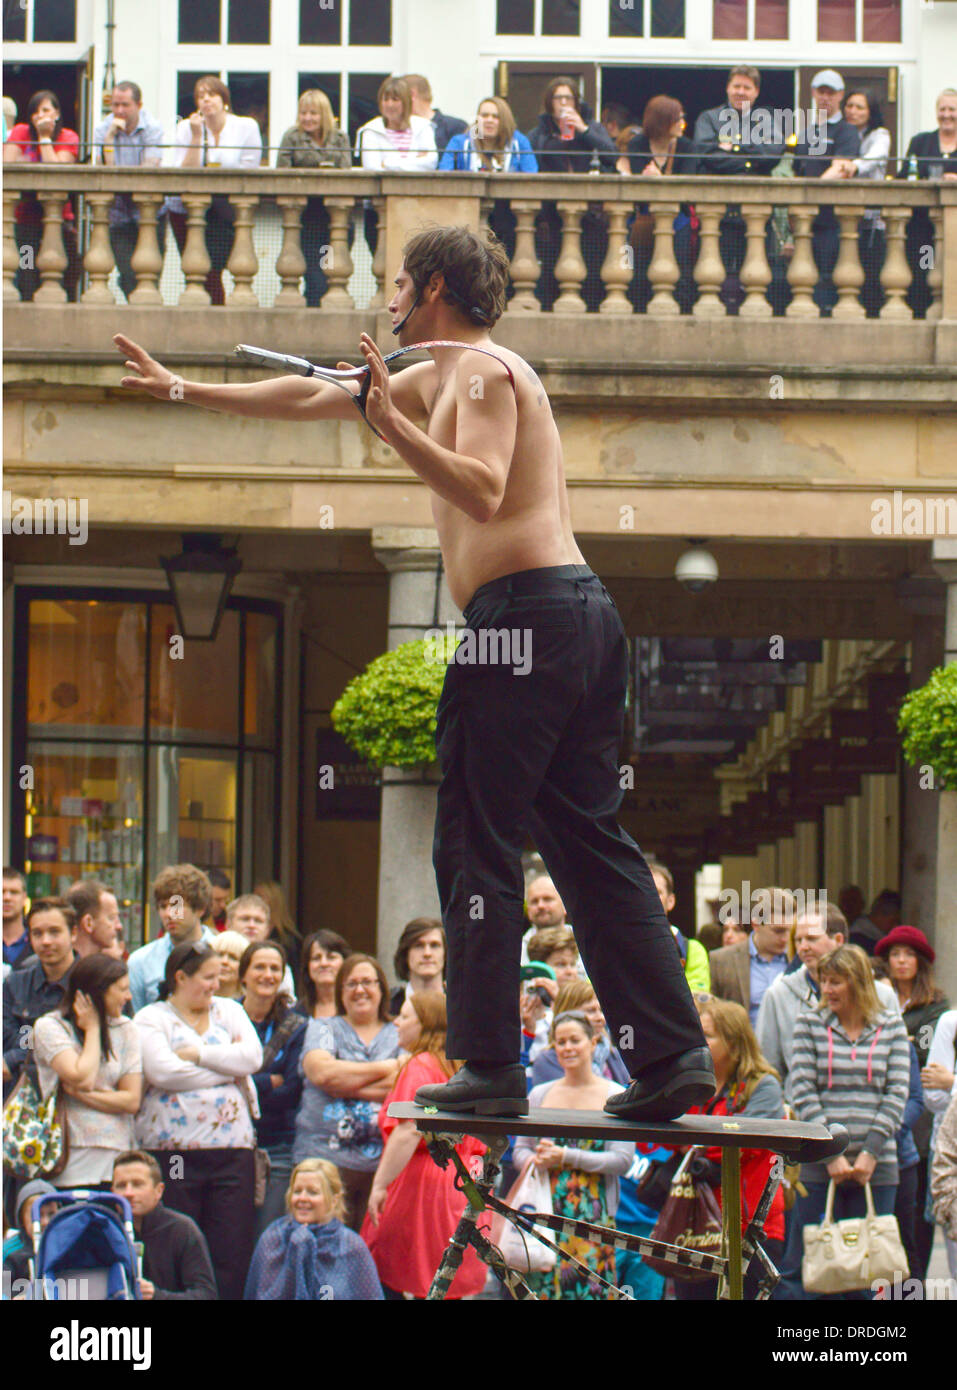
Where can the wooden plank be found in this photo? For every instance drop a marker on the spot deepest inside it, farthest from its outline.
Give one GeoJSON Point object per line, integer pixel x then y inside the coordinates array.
{"type": "Point", "coordinates": [804, 1142]}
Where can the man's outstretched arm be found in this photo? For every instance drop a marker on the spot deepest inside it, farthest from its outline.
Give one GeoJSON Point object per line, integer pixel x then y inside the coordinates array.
{"type": "Point", "coordinates": [474, 474]}
{"type": "Point", "coordinates": [282, 398]}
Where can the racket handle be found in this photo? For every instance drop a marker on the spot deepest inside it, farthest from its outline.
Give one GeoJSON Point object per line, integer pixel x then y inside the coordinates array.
{"type": "Point", "coordinates": [264, 358]}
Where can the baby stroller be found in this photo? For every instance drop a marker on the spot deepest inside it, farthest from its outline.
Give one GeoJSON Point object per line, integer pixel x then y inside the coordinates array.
{"type": "Point", "coordinates": [87, 1250]}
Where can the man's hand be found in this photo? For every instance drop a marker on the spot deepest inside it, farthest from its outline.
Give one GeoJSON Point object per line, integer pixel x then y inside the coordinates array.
{"type": "Point", "coordinates": [531, 1009]}
{"type": "Point", "coordinates": [147, 1290]}
{"type": "Point", "coordinates": [839, 1169]}
{"type": "Point", "coordinates": [863, 1169]}
{"type": "Point", "coordinates": [379, 405]}
{"type": "Point", "coordinates": [151, 376]}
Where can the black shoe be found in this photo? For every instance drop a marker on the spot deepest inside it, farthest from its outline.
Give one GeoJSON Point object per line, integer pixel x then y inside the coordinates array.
{"type": "Point", "coordinates": [498, 1091]}
{"type": "Point", "coordinates": [666, 1090]}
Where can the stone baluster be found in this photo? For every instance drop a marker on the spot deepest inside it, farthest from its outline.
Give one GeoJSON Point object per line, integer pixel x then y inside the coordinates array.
{"type": "Point", "coordinates": [755, 271]}
{"type": "Point", "coordinates": [618, 268]}
{"type": "Point", "coordinates": [570, 266]}
{"type": "Point", "coordinates": [195, 259]}
{"type": "Point", "coordinates": [663, 271]}
{"type": "Point", "coordinates": [51, 258]}
{"type": "Point", "coordinates": [378, 300]}
{"type": "Point", "coordinates": [709, 272]}
{"type": "Point", "coordinates": [340, 267]}
{"type": "Point", "coordinates": [11, 253]}
{"type": "Point", "coordinates": [849, 273]}
{"type": "Point", "coordinates": [935, 276]}
{"type": "Point", "coordinates": [895, 272]}
{"type": "Point", "coordinates": [146, 261]}
{"type": "Point", "coordinates": [98, 261]}
{"type": "Point", "coordinates": [802, 272]}
{"type": "Point", "coordinates": [290, 263]}
{"type": "Point", "coordinates": [243, 262]}
{"type": "Point", "coordinates": [524, 269]}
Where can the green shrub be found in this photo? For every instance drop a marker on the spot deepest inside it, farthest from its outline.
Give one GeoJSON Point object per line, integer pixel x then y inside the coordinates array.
{"type": "Point", "coordinates": [928, 721]}
{"type": "Point", "coordinates": [387, 714]}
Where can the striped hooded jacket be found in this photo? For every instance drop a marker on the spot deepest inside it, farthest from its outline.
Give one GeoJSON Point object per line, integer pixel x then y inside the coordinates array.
{"type": "Point", "coordinates": [862, 1085]}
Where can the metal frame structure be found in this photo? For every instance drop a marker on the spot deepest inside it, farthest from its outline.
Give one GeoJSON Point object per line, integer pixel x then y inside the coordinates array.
{"type": "Point", "coordinates": [443, 1129]}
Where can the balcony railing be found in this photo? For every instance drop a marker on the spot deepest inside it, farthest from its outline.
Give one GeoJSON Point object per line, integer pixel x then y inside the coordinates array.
{"type": "Point", "coordinates": [796, 249]}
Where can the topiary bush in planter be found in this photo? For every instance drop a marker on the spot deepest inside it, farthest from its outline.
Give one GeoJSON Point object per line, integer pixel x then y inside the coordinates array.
{"type": "Point", "coordinates": [928, 721]}
{"type": "Point", "coordinates": [387, 713]}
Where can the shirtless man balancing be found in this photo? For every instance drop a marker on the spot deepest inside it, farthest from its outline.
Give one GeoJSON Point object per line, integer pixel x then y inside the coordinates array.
{"type": "Point", "coordinates": [529, 750]}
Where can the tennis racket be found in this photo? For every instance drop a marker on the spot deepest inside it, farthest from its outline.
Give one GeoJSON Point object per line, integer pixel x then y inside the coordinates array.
{"type": "Point", "coordinates": [339, 376]}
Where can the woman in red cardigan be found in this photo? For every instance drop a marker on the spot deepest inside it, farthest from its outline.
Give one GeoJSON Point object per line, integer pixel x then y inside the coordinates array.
{"type": "Point", "coordinates": [42, 139]}
{"type": "Point", "coordinates": [745, 1084]}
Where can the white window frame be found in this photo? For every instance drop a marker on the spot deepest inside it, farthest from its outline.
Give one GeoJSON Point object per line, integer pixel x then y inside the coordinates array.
{"type": "Point", "coordinates": [51, 52]}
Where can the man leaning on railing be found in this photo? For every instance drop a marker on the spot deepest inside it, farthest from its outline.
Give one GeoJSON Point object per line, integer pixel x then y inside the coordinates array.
{"type": "Point", "coordinates": [129, 136]}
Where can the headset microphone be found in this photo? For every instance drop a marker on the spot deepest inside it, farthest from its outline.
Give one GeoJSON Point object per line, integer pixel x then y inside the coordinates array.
{"type": "Point", "coordinates": [402, 322]}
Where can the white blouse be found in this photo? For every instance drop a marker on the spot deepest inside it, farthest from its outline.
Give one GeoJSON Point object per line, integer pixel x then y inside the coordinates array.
{"type": "Point", "coordinates": [871, 163]}
{"type": "Point", "coordinates": [204, 1105]}
{"type": "Point", "coordinates": [239, 144]}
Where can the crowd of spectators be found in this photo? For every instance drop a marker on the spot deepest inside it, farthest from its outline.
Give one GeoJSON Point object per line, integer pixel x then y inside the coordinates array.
{"type": "Point", "coordinates": [244, 1115]}
{"type": "Point", "coordinates": [844, 137]}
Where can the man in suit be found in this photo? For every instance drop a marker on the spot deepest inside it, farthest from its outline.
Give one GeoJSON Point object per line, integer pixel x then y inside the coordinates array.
{"type": "Point", "coordinates": [745, 971]}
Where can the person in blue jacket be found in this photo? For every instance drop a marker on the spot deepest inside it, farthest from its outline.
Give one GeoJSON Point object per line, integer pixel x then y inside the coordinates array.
{"type": "Point", "coordinates": [492, 145]}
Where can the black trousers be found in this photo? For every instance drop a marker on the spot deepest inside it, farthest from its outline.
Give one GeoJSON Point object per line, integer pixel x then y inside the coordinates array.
{"type": "Point", "coordinates": [529, 745]}
{"type": "Point", "coordinates": [216, 1189]}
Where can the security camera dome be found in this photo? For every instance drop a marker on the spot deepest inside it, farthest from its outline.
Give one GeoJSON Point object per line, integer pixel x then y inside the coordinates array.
{"type": "Point", "coordinates": [696, 569]}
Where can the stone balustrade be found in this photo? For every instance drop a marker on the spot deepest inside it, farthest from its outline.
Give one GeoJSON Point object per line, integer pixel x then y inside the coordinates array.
{"type": "Point", "coordinates": [799, 241]}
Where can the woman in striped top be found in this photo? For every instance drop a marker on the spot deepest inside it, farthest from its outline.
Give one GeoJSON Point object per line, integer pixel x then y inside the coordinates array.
{"type": "Point", "coordinates": [850, 1066]}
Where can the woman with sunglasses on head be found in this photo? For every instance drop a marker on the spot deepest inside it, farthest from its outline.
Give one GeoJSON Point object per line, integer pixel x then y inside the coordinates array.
{"type": "Point", "coordinates": [94, 1052]}
{"type": "Point", "coordinates": [279, 1082]}
{"type": "Point", "coordinates": [584, 1177]}
{"type": "Point", "coordinates": [199, 1052]}
{"type": "Point", "coordinates": [349, 1063]}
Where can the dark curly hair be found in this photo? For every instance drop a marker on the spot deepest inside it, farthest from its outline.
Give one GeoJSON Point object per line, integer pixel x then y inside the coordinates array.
{"type": "Point", "coordinates": [474, 268]}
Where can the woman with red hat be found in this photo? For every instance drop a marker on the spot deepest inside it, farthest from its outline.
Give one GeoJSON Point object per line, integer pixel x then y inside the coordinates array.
{"type": "Point", "coordinates": [910, 960]}
{"type": "Point", "coordinates": [910, 965]}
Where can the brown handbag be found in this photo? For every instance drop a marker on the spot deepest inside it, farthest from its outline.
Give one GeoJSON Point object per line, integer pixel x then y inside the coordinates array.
{"type": "Point", "coordinates": [690, 1218]}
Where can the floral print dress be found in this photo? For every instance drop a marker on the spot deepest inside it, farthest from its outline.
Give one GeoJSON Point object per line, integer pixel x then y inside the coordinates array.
{"type": "Point", "coordinates": [580, 1197]}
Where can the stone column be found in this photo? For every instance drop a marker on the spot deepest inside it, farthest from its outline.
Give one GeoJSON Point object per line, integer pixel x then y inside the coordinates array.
{"type": "Point", "coordinates": [406, 877]}
{"type": "Point", "coordinates": [919, 826]}
{"type": "Point", "coordinates": [944, 559]}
